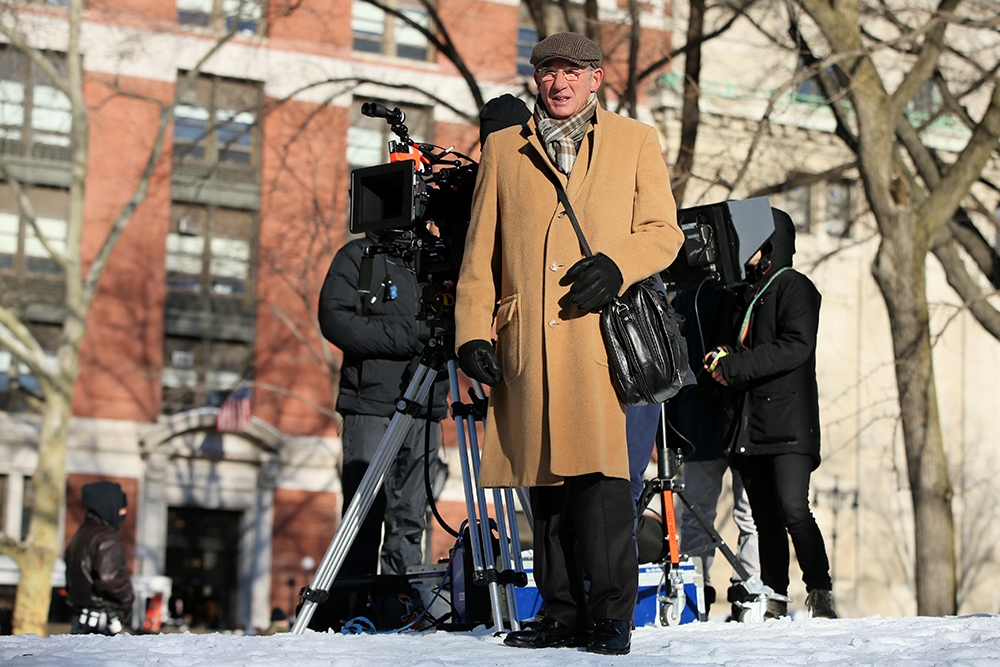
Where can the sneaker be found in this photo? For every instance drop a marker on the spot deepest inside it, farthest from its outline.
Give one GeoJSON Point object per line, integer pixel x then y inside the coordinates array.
{"type": "Point", "coordinates": [776, 609]}
{"type": "Point", "coordinates": [820, 604]}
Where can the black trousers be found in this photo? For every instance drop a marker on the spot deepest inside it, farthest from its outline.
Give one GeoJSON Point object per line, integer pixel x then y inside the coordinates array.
{"type": "Point", "coordinates": [778, 488]}
{"type": "Point", "coordinates": [585, 563]}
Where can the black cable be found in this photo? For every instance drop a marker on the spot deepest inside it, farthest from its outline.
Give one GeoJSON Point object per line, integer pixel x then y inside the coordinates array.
{"type": "Point", "coordinates": [427, 471]}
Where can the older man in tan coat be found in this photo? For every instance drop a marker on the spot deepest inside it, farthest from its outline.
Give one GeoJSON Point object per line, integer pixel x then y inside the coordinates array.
{"type": "Point", "coordinates": [554, 422]}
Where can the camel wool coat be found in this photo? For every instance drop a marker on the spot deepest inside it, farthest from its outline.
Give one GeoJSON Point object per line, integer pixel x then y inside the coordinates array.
{"type": "Point", "coordinates": [555, 413]}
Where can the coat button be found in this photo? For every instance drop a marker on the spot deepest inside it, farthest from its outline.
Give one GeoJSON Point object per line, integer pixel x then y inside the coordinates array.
{"type": "Point", "coordinates": [743, 450]}
{"type": "Point", "coordinates": [553, 266]}
{"type": "Point", "coordinates": [553, 323]}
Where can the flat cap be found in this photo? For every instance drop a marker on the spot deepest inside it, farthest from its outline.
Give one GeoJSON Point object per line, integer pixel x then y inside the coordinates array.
{"type": "Point", "coordinates": [568, 46]}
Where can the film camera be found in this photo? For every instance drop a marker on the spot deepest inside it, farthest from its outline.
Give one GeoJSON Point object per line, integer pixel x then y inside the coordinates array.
{"type": "Point", "coordinates": [718, 241]}
{"type": "Point", "coordinates": [394, 202]}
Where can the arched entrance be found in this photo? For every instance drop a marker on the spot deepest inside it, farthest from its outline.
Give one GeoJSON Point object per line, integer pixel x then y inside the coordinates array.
{"type": "Point", "coordinates": [206, 516]}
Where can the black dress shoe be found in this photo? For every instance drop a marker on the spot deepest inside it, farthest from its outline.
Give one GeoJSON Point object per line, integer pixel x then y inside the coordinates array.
{"type": "Point", "coordinates": [547, 633]}
{"type": "Point", "coordinates": [611, 637]}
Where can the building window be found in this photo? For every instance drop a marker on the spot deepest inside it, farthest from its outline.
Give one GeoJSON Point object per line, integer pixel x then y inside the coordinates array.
{"type": "Point", "coordinates": [837, 198]}
{"type": "Point", "coordinates": [8, 488]}
{"type": "Point", "coordinates": [27, 506]}
{"type": "Point", "coordinates": [17, 384]}
{"type": "Point", "coordinates": [798, 206]}
{"type": "Point", "coordinates": [35, 116]}
{"type": "Point", "coordinates": [216, 124]}
{"type": "Point", "coordinates": [219, 15]}
{"type": "Point", "coordinates": [21, 251]}
{"type": "Point", "coordinates": [527, 37]}
{"type": "Point", "coordinates": [199, 373]}
{"type": "Point", "coordinates": [210, 250]}
{"type": "Point", "coordinates": [368, 138]}
{"type": "Point", "coordinates": [926, 103]}
{"type": "Point", "coordinates": [376, 31]}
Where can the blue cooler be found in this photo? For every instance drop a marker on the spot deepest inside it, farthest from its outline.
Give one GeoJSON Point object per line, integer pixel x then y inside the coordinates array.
{"type": "Point", "coordinates": [647, 606]}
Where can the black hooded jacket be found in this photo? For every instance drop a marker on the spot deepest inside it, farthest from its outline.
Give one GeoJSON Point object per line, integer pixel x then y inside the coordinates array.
{"type": "Point", "coordinates": [379, 345]}
{"type": "Point", "coordinates": [97, 577]}
{"type": "Point", "coordinates": [775, 364]}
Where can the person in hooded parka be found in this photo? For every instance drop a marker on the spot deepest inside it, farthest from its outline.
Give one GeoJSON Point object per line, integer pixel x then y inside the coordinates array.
{"type": "Point", "coordinates": [772, 363]}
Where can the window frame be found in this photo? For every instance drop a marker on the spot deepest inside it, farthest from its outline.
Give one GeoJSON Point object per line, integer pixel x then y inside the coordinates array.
{"type": "Point", "coordinates": [202, 393]}
{"type": "Point", "coordinates": [209, 137]}
{"type": "Point", "coordinates": [389, 45]}
{"type": "Point", "coordinates": [217, 19]}
{"type": "Point", "coordinates": [210, 219]}
{"type": "Point", "coordinates": [45, 201]}
{"type": "Point", "coordinates": [21, 70]}
{"type": "Point", "coordinates": [11, 400]}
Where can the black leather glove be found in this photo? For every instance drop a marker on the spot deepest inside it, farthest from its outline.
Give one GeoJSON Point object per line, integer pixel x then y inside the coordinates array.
{"type": "Point", "coordinates": [478, 360]}
{"type": "Point", "coordinates": [596, 284]}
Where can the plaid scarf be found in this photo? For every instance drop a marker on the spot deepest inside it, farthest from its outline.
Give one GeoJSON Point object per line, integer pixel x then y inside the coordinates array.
{"type": "Point", "coordinates": [561, 137]}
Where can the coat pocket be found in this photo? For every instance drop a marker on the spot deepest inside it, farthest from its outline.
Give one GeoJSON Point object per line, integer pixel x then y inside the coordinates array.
{"type": "Point", "coordinates": [509, 337]}
{"type": "Point", "coordinates": [773, 418]}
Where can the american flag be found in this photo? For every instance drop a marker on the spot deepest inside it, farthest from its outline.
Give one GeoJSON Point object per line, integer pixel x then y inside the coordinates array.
{"type": "Point", "coordinates": [236, 412]}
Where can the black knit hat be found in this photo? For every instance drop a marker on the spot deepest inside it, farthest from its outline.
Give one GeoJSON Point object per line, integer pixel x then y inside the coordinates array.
{"type": "Point", "coordinates": [568, 46]}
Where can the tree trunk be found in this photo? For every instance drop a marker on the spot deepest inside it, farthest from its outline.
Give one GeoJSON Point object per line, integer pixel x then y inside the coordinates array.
{"type": "Point", "coordinates": [901, 275]}
{"type": "Point", "coordinates": [34, 593]}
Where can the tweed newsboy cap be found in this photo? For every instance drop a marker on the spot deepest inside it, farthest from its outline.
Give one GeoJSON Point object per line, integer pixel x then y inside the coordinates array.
{"type": "Point", "coordinates": [568, 46]}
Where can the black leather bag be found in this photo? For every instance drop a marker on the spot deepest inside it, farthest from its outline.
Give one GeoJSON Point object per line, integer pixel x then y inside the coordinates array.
{"type": "Point", "coordinates": [647, 354]}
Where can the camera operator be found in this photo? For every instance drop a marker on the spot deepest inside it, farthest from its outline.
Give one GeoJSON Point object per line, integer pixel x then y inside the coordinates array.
{"type": "Point", "coordinates": [773, 364]}
{"type": "Point", "coordinates": [368, 308]}
{"type": "Point", "coordinates": [554, 422]}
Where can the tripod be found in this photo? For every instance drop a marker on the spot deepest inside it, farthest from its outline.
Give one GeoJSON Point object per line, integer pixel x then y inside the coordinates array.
{"type": "Point", "coordinates": [668, 462]}
{"type": "Point", "coordinates": [432, 361]}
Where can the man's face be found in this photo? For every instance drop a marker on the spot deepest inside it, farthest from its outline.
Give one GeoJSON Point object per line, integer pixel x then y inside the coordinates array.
{"type": "Point", "coordinates": [563, 98]}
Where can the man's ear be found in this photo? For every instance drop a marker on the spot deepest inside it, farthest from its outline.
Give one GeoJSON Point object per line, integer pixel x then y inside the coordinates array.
{"type": "Point", "coordinates": [596, 79]}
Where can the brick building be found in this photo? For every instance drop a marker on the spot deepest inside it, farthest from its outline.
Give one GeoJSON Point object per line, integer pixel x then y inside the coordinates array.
{"type": "Point", "coordinates": [215, 280]}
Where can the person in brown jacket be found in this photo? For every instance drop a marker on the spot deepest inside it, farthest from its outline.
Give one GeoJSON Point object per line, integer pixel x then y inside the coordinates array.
{"type": "Point", "coordinates": [554, 423]}
{"type": "Point", "coordinates": [98, 583]}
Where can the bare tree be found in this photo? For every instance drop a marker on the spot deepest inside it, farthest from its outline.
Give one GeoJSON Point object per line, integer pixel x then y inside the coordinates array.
{"type": "Point", "coordinates": [36, 556]}
{"type": "Point", "coordinates": [918, 198]}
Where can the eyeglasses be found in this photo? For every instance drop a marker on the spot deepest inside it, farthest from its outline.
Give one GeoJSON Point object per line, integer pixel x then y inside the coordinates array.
{"type": "Point", "coordinates": [570, 73]}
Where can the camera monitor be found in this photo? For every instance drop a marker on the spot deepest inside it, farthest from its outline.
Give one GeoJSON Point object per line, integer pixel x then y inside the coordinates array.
{"type": "Point", "coordinates": [718, 241]}
{"type": "Point", "coordinates": [383, 197]}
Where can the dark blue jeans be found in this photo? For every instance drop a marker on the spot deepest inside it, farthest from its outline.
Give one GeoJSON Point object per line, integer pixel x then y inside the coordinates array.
{"type": "Point", "coordinates": [778, 488]}
{"type": "Point", "coordinates": [641, 422]}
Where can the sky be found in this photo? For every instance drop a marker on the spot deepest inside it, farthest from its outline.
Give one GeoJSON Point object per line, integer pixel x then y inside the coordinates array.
{"type": "Point", "coordinates": [966, 641]}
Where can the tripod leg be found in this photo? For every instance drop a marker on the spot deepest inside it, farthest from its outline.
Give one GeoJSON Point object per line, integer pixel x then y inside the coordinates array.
{"type": "Point", "coordinates": [475, 501]}
{"type": "Point", "coordinates": [347, 531]}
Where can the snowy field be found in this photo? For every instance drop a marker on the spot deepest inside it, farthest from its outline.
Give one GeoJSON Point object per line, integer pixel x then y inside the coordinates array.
{"type": "Point", "coordinates": [883, 642]}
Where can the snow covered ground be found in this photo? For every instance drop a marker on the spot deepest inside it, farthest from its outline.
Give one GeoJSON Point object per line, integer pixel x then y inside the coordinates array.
{"type": "Point", "coordinates": [969, 641]}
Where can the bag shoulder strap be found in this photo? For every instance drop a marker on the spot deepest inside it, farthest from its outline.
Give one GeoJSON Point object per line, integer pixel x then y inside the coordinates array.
{"type": "Point", "coordinates": [564, 200]}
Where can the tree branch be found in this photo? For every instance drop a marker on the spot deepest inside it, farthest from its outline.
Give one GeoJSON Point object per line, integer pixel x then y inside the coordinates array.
{"type": "Point", "coordinates": [18, 340]}
{"type": "Point", "coordinates": [28, 211]}
{"type": "Point", "coordinates": [125, 215]}
{"type": "Point", "coordinates": [12, 549]}
{"type": "Point", "coordinates": [923, 68]}
{"type": "Point", "coordinates": [945, 199]}
{"type": "Point", "coordinates": [447, 47]}
{"type": "Point", "coordinates": [36, 56]}
{"type": "Point", "coordinates": [960, 280]}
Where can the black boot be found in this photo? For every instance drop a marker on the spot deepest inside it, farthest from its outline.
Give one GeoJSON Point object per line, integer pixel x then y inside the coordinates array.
{"type": "Point", "coordinates": [547, 633]}
{"type": "Point", "coordinates": [611, 637]}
